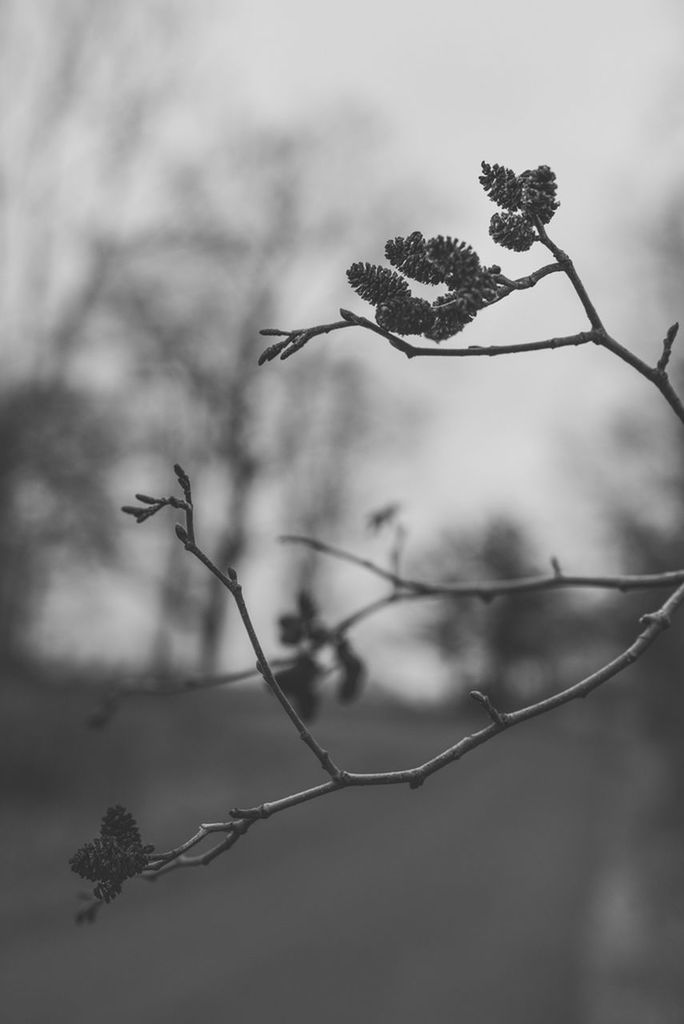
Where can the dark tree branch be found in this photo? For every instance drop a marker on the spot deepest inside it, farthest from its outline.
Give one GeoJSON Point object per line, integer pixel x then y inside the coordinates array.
{"type": "Point", "coordinates": [488, 589]}
{"type": "Point", "coordinates": [242, 818]}
{"type": "Point", "coordinates": [295, 340]}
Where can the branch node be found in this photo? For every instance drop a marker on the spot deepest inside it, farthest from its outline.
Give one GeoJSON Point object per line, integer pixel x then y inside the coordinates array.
{"type": "Point", "coordinates": [250, 813]}
{"type": "Point", "coordinates": [659, 618]}
{"type": "Point", "coordinates": [481, 698]}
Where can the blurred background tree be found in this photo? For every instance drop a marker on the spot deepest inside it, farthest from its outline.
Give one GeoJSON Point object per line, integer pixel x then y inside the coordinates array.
{"type": "Point", "coordinates": [641, 903]}
{"type": "Point", "coordinates": [140, 273]}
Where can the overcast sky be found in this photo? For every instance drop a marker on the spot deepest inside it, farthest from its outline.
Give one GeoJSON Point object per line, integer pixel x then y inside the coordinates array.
{"type": "Point", "coordinates": [589, 88]}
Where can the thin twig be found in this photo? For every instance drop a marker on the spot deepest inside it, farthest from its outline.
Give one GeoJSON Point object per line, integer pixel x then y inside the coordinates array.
{"type": "Point", "coordinates": [653, 623]}
{"type": "Point", "coordinates": [232, 584]}
{"type": "Point", "coordinates": [651, 373]}
{"type": "Point", "coordinates": [296, 339]}
{"type": "Point", "coordinates": [568, 267]}
{"type": "Point", "coordinates": [529, 281]}
{"type": "Point", "coordinates": [230, 581]}
{"type": "Point", "coordinates": [657, 375]}
{"type": "Point", "coordinates": [494, 588]}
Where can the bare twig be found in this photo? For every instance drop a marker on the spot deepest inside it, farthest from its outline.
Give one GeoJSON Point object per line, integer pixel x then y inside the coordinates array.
{"type": "Point", "coordinates": [481, 698]}
{"type": "Point", "coordinates": [529, 281]}
{"type": "Point", "coordinates": [298, 338]}
{"type": "Point", "coordinates": [242, 818]}
{"type": "Point", "coordinates": [229, 579]}
{"type": "Point", "coordinates": [568, 267]}
{"type": "Point", "coordinates": [494, 588]}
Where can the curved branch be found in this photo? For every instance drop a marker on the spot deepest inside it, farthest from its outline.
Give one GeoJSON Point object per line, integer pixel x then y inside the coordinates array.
{"type": "Point", "coordinates": [568, 267]}
{"type": "Point", "coordinates": [488, 589]}
{"type": "Point", "coordinates": [186, 535]}
{"type": "Point", "coordinates": [294, 340]}
{"type": "Point", "coordinates": [529, 280]}
{"type": "Point", "coordinates": [232, 584]}
{"type": "Point", "coordinates": [657, 375]}
{"type": "Point", "coordinates": [242, 818]}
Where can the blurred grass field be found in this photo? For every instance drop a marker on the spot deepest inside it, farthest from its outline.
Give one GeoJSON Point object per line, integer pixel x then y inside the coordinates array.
{"type": "Point", "coordinates": [466, 900]}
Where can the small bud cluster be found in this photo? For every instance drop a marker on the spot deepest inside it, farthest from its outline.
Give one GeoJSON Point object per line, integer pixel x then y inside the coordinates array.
{"type": "Point", "coordinates": [526, 198]}
{"type": "Point", "coordinates": [114, 856]}
{"type": "Point", "coordinates": [437, 261]}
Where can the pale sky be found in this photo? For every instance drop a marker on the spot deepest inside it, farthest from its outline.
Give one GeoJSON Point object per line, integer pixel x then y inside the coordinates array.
{"type": "Point", "coordinates": [590, 88]}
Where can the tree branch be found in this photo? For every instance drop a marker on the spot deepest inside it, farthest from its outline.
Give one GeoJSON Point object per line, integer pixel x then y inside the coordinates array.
{"type": "Point", "coordinates": [242, 818]}
{"type": "Point", "coordinates": [488, 589]}
{"type": "Point", "coordinates": [229, 579]}
{"type": "Point", "coordinates": [295, 340]}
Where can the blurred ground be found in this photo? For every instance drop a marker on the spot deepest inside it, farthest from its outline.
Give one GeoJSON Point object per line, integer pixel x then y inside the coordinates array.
{"type": "Point", "coordinates": [469, 899]}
